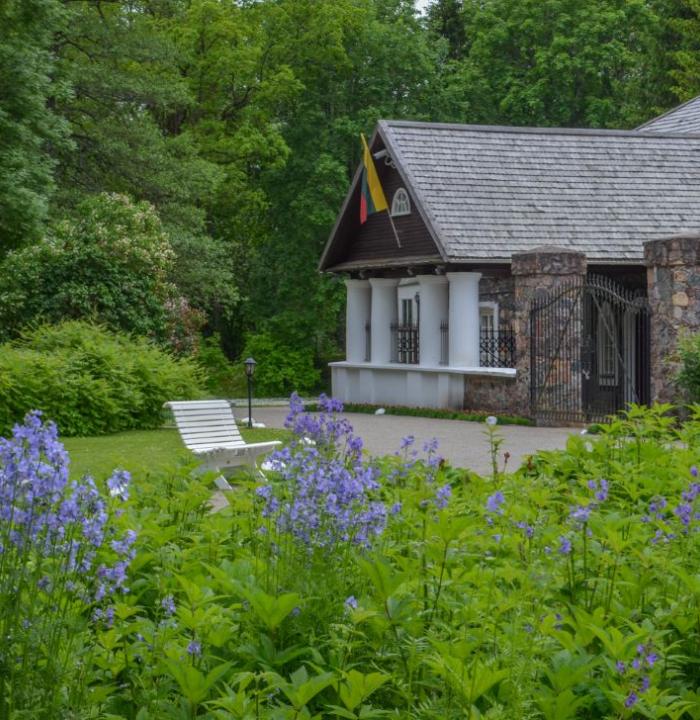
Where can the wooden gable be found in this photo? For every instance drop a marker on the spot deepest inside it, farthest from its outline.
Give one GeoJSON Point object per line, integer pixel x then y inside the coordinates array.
{"type": "Point", "coordinates": [353, 246]}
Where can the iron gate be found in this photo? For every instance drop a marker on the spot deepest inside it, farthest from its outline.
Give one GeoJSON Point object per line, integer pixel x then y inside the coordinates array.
{"type": "Point", "coordinates": [589, 351]}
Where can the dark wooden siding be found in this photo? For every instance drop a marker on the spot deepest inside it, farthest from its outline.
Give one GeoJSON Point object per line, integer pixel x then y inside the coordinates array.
{"type": "Point", "coordinates": [375, 239]}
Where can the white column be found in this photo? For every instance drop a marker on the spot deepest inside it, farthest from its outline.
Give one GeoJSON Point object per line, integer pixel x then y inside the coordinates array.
{"type": "Point", "coordinates": [384, 313]}
{"type": "Point", "coordinates": [357, 313]}
{"type": "Point", "coordinates": [464, 318]}
{"type": "Point", "coordinates": [433, 312]}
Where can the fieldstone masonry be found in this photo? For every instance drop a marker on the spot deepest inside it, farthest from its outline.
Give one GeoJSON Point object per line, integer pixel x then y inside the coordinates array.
{"type": "Point", "coordinates": [537, 273]}
{"type": "Point", "coordinates": [673, 286]}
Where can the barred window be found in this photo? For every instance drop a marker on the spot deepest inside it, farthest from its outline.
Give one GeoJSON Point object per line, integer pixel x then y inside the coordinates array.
{"type": "Point", "coordinates": [401, 204]}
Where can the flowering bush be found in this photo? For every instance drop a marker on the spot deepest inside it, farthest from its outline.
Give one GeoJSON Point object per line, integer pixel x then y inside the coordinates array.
{"type": "Point", "coordinates": [326, 498]}
{"type": "Point", "coordinates": [567, 590]}
{"type": "Point", "coordinates": [63, 561]}
{"type": "Point", "coordinates": [110, 263]}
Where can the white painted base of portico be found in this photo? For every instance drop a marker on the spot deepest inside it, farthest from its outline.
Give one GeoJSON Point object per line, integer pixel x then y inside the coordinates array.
{"type": "Point", "coordinates": [437, 386]}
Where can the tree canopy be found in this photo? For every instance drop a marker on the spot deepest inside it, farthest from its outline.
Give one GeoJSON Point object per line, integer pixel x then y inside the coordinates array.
{"type": "Point", "coordinates": [237, 121]}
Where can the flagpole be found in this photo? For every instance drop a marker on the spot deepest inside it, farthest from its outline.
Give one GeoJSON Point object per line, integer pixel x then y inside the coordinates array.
{"type": "Point", "coordinates": [393, 227]}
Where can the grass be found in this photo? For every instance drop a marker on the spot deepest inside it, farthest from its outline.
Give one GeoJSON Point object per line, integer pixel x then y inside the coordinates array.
{"type": "Point", "coordinates": [142, 451]}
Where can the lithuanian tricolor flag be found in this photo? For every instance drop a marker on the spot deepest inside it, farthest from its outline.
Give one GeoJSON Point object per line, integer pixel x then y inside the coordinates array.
{"type": "Point", "coordinates": [372, 198]}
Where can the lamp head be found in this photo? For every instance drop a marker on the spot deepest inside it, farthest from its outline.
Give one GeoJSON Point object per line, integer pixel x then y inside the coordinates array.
{"type": "Point", "coordinates": [250, 367]}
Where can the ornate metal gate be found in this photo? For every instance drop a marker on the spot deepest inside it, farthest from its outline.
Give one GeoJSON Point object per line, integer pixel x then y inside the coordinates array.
{"type": "Point", "coordinates": [589, 351]}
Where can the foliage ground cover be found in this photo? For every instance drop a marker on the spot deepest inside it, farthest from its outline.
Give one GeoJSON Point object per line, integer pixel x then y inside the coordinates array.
{"type": "Point", "coordinates": [427, 412]}
{"type": "Point", "coordinates": [355, 587]}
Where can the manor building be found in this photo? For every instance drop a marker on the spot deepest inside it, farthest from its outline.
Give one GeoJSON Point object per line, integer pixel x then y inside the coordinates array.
{"type": "Point", "coordinates": [530, 271]}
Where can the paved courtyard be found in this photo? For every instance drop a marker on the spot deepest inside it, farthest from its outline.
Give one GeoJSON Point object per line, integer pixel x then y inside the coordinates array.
{"type": "Point", "coordinates": [464, 444]}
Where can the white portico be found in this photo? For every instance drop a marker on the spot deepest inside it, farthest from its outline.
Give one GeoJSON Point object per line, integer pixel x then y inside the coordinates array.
{"type": "Point", "coordinates": [412, 341]}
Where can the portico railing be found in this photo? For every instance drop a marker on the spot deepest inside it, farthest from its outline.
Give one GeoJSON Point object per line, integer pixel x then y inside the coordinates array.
{"type": "Point", "coordinates": [497, 349]}
{"type": "Point", "coordinates": [444, 343]}
{"type": "Point", "coordinates": [404, 344]}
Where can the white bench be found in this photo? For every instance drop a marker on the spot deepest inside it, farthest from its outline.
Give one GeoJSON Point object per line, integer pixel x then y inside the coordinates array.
{"type": "Point", "coordinates": [209, 430]}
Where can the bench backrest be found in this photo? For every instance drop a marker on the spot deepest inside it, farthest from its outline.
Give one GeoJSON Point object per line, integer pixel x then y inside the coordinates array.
{"type": "Point", "coordinates": [206, 424]}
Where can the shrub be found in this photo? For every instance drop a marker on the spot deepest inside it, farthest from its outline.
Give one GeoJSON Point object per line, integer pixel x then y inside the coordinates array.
{"type": "Point", "coordinates": [689, 377]}
{"type": "Point", "coordinates": [281, 370]}
{"type": "Point", "coordinates": [90, 381]}
{"type": "Point", "coordinates": [223, 378]}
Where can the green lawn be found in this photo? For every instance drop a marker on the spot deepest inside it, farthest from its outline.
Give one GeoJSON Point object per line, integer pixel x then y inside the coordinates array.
{"type": "Point", "coordinates": [141, 451]}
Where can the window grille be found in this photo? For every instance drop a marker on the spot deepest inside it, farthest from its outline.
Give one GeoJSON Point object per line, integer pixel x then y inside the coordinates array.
{"type": "Point", "coordinates": [401, 204]}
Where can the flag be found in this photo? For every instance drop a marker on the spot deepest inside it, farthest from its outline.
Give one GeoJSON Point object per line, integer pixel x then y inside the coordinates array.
{"type": "Point", "coordinates": [372, 197]}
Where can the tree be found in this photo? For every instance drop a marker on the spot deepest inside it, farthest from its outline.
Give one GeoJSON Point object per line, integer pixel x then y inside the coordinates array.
{"type": "Point", "coordinates": [445, 20]}
{"type": "Point", "coordinates": [28, 125]}
{"type": "Point", "coordinates": [558, 63]}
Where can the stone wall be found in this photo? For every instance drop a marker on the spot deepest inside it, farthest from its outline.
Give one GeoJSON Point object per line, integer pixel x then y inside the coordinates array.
{"type": "Point", "coordinates": [673, 288]}
{"type": "Point", "coordinates": [537, 273]}
{"type": "Point", "coordinates": [491, 395]}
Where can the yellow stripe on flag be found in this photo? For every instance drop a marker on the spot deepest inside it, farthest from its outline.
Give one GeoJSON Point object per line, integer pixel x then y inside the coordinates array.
{"type": "Point", "coordinates": [373, 184]}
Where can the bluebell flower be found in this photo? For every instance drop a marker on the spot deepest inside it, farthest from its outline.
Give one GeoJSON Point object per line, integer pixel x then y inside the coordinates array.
{"type": "Point", "coordinates": [631, 699]}
{"type": "Point", "coordinates": [327, 497]}
{"type": "Point", "coordinates": [494, 502]}
{"type": "Point", "coordinates": [442, 497]}
{"type": "Point", "coordinates": [526, 528]}
{"type": "Point", "coordinates": [580, 514]}
{"type": "Point", "coordinates": [431, 446]}
{"type": "Point", "coordinates": [602, 494]}
{"type": "Point", "coordinates": [564, 545]}
{"type": "Point", "coordinates": [168, 605]}
{"type": "Point", "coordinates": [351, 603]}
{"type": "Point", "coordinates": [118, 484]}
{"type": "Point", "coordinates": [407, 441]}
{"type": "Point", "coordinates": [194, 648]}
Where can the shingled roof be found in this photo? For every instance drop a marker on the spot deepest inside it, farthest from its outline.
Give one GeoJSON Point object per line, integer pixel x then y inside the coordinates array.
{"type": "Point", "coordinates": [488, 192]}
{"type": "Point", "coordinates": [684, 119]}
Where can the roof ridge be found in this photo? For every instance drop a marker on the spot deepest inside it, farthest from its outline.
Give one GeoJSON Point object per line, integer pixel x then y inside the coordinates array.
{"type": "Point", "coordinates": [527, 130]}
{"type": "Point", "coordinates": [669, 112]}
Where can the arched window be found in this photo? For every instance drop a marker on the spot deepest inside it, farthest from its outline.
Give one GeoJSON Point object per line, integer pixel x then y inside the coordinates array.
{"type": "Point", "coordinates": [608, 351]}
{"type": "Point", "coordinates": [401, 204]}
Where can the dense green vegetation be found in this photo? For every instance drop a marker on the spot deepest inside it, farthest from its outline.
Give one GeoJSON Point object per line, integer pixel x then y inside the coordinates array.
{"type": "Point", "coordinates": [355, 587]}
{"type": "Point", "coordinates": [91, 381]}
{"type": "Point", "coordinates": [689, 377]}
{"type": "Point", "coordinates": [224, 133]}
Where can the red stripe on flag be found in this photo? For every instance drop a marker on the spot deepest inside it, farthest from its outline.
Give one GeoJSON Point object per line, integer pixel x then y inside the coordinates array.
{"type": "Point", "coordinates": [363, 209]}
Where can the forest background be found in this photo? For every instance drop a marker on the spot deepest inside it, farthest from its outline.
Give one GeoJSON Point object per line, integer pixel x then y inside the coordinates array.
{"type": "Point", "coordinates": [172, 168]}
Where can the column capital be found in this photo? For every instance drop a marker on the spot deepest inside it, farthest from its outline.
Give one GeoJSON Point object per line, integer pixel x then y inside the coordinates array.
{"type": "Point", "coordinates": [549, 260]}
{"type": "Point", "coordinates": [384, 282]}
{"type": "Point", "coordinates": [356, 283]}
{"type": "Point", "coordinates": [468, 276]}
{"type": "Point", "coordinates": [677, 250]}
{"type": "Point", "coordinates": [431, 279]}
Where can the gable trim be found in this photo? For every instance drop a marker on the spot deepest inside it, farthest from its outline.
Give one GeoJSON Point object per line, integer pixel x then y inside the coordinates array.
{"type": "Point", "coordinates": [408, 183]}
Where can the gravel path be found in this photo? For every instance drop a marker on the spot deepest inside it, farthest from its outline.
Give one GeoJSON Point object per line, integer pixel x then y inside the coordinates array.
{"type": "Point", "coordinates": [462, 443]}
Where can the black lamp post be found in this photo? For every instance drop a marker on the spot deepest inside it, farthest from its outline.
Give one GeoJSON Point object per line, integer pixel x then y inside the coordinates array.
{"type": "Point", "coordinates": [250, 371]}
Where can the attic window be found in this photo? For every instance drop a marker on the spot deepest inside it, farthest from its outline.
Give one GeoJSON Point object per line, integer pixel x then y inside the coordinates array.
{"type": "Point", "coordinates": [401, 204]}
